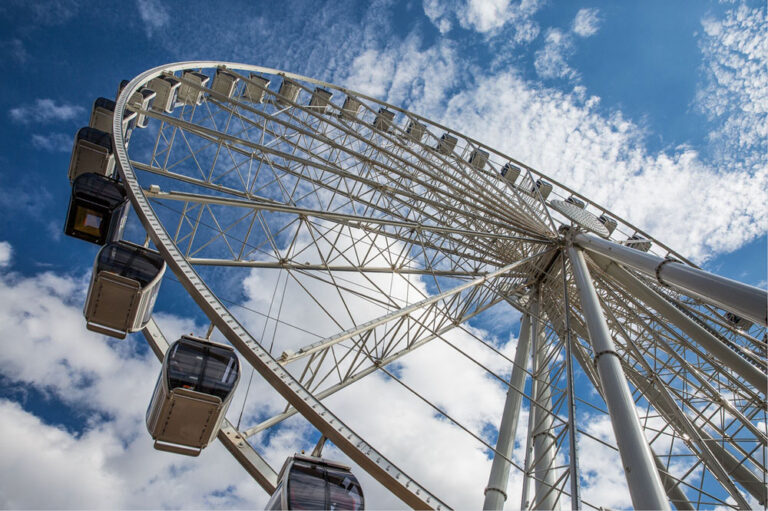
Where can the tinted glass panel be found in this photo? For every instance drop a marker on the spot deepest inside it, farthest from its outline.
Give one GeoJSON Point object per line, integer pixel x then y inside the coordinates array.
{"type": "Point", "coordinates": [344, 490]}
{"type": "Point", "coordinates": [99, 190]}
{"type": "Point", "coordinates": [96, 136]}
{"type": "Point", "coordinates": [306, 487]}
{"type": "Point", "coordinates": [220, 372]}
{"type": "Point", "coordinates": [130, 261]}
{"type": "Point", "coordinates": [185, 363]}
{"type": "Point", "coordinates": [276, 501]}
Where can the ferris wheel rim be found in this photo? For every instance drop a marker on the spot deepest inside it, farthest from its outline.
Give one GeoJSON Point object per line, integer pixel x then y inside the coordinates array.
{"type": "Point", "coordinates": [153, 226]}
{"type": "Point", "coordinates": [375, 463]}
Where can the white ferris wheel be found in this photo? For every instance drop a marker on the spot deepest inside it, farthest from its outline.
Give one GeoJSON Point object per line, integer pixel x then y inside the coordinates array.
{"type": "Point", "coordinates": [375, 233]}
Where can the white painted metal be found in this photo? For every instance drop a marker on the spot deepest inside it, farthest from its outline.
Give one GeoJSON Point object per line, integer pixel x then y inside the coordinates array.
{"type": "Point", "coordinates": [496, 491]}
{"type": "Point", "coordinates": [743, 299]}
{"type": "Point", "coordinates": [545, 494]}
{"type": "Point", "coordinates": [438, 218]}
{"type": "Point", "coordinates": [639, 467]}
{"type": "Point", "coordinates": [713, 345]}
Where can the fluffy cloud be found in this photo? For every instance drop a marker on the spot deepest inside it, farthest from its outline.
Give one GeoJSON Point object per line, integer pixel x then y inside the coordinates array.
{"type": "Point", "coordinates": [44, 111]}
{"type": "Point", "coordinates": [5, 254]}
{"type": "Point", "coordinates": [734, 94]}
{"type": "Point", "coordinates": [586, 22]}
{"type": "Point", "coordinates": [154, 14]}
{"type": "Point", "coordinates": [552, 60]}
{"type": "Point", "coordinates": [486, 17]}
{"type": "Point", "coordinates": [54, 142]}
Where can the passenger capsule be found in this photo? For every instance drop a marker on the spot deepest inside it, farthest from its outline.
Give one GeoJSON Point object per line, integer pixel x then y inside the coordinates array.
{"type": "Point", "coordinates": [446, 144]}
{"type": "Point", "coordinates": [638, 242]}
{"type": "Point", "coordinates": [102, 115]}
{"type": "Point", "coordinates": [350, 107]}
{"type": "Point", "coordinates": [191, 89]}
{"type": "Point", "coordinates": [167, 90]}
{"type": "Point", "coordinates": [124, 286]}
{"type": "Point", "coordinates": [306, 482]}
{"type": "Point", "coordinates": [478, 158]}
{"type": "Point", "coordinates": [224, 82]}
{"type": "Point", "coordinates": [92, 152]}
{"type": "Point", "coordinates": [255, 88]}
{"type": "Point", "coordinates": [608, 222]}
{"type": "Point", "coordinates": [576, 201]}
{"type": "Point", "coordinates": [193, 391]}
{"type": "Point", "coordinates": [97, 209]}
{"type": "Point", "coordinates": [383, 120]}
{"type": "Point", "coordinates": [288, 92]}
{"type": "Point", "coordinates": [320, 99]}
{"type": "Point", "coordinates": [142, 99]}
{"type": "Point", "coordinates": [415, 130]}
{"type": "Point", "coordinates": [544, 188]}
{"type": "Point", "coordinates": [510, 172]}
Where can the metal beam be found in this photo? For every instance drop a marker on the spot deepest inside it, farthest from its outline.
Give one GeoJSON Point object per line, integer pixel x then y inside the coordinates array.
{"type": "Point", "coordinates": [643, 479]}
{"type": "Point", "coordinates": [747, 301]}
{"type": "Point", "coordinates": [228, 435]}
{"type": "Point", "coordinates": [706, 340]}
{"type": "Point", "coordinates": [495, 492]}
{"type": "Point", "coordinates": [369, 325]}
{"type": "Point", "coordinates": [543, 440]}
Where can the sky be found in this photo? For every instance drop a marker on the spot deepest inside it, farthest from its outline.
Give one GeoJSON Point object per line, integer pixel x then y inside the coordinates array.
{"type": "Point", "coordinates": [657, 110]}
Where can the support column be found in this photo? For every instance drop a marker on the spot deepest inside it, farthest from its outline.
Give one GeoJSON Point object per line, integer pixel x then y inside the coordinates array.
{"type": "Point", "coordinates": [747, 301]}
{"type": "Point", "coordinates": [643, 479]}
{"type": "Point", "coordinates": [543, 440]}
{"type": "Point", "coordinates": [710, 343]}
{"type": "Point", "coordinates": [495, 493]}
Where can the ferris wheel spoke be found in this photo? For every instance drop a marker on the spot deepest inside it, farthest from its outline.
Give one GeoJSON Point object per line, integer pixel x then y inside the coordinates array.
{"type": "Point", "coordinates": [427, 164]}
{"type": "Point", "coordinates": [495, 280]}
{"type": "Point", "coordinates": [393, 236]}
{"type": "Point", "coordinates": [462, 196]}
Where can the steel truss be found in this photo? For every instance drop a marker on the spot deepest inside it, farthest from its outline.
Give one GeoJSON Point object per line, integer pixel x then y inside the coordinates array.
{"type": "Point", "coordinates": [395, 244]}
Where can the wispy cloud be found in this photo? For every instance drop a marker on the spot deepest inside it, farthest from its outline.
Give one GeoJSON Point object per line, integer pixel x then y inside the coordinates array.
{"type": "Point", "coordinates": [53, 142]}
{"type": "Point", "coordinates": [552, 60]}
{"type": "Point", "coordinates": [16, 49]}
{"type": "Point", "coordinates": [6, 252]}
{"type": "Point", "coordinates": [44, 111]}
{"type": "Point", "coordinates": [485, 16]}
{"type": "Point", "coordinates": [586, 22]}
{"type": "Point", "coordinates": [735, 92]}
{"type": "Point", "coordinates": [154, 14]}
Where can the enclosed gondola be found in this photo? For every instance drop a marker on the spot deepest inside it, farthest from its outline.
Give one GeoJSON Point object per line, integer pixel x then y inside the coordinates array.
{"type": "Point", "coordinates": [306, 482]}
{"type": "Point", "coordinates": [193, 391]}
{"type": "Point", "coordinates": [92, 152]}
{"type": "Point", "coordinates": [97, 209]}
{"type": "Point", "coordinates": [124, 285]}
{"type": "Point", "coordinates": [104, 111]}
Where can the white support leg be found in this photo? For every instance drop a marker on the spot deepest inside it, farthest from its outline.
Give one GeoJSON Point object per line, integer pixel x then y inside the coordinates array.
{"type": "Point", "coordinates": [643, 479]}
{"type": "Point", "coordinates": [495, 493]}
{"type": "Point", "coordinates": [742, 299]}
{"type": "Point", "coordinates": [543, 440]}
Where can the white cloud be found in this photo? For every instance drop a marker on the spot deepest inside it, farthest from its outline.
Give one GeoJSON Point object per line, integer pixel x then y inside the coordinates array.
{"type": "Point", "coordinates": [735, 92]}
{"type": "Point", "coordinates": [436, 11]}
{"type": "Point", "coordinates": [154, 14]}
{"type": "Point", "coordinates": [16, 49]}
{"type": "Point", "coordinates": [485, 16]}
{"type": "Point", "coordinates": [54, 142]}
{"type": "Point", "coordinates": [586, 22]}
{"type": "Point", "coordinates": [45, 110]}
{"type": "Point", "coordinates": [6, 251]}
{"type": "Point", "coordinates": [551, 60]}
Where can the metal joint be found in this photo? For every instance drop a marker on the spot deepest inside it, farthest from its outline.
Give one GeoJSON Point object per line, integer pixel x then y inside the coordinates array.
{"type": "Point", "coordinates": [605, 352]}
{"type": "Point", "coordinates": [666, 260]}
{"type": "Point", "coordinates": [485, 492]}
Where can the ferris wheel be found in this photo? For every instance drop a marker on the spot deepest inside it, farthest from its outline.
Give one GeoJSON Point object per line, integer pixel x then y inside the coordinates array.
{"type": "Point", "coordinates": [372, 233]}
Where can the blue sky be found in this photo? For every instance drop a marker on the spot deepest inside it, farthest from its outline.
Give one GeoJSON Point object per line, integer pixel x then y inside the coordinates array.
{"type": "Point", "coordinates": [657, 110]}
